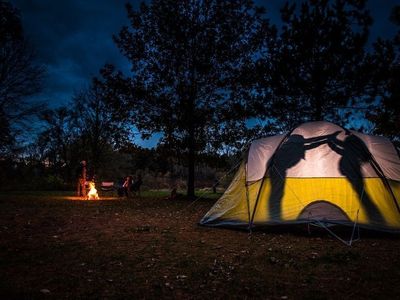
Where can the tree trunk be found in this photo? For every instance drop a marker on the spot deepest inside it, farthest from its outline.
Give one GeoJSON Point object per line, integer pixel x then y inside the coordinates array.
{"type": "Point", "coordinates": [318, 104]}
{"type": "Point", "coordinates": [191, 131]}
{"type": "Point", "coordinates": [317, 95]}
{"type": "Point", "coordinates": [191, 162]}
{"type": "Point", "coordinates": [318, 111]}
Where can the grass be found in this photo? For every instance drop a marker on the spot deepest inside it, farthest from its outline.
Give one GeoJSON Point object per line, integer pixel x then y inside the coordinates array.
{"type": "Point", "coordinates": [53, 246]}
{"type": "Point", "coordinates": [199, 194]}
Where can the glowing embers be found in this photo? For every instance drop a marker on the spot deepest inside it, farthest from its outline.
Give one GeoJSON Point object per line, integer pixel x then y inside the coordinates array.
{"type": "Point", "coordinates": [92, 194]}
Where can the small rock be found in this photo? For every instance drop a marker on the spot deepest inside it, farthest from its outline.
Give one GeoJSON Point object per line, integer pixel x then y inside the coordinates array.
{"type": "Point", "coordinates": [273, 260]}
{"type": "Point", "coordinates": [45, 291]}
{"type": "Point", "coordinates": [168, 285]}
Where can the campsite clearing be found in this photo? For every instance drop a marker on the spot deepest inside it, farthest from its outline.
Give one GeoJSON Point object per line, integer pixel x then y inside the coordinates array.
{"type": "Point", "coordinates": [52, 247]}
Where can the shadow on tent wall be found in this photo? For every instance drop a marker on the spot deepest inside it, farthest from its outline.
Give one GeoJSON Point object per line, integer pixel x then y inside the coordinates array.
{"type": "Point", "coordinates": [353, 153]}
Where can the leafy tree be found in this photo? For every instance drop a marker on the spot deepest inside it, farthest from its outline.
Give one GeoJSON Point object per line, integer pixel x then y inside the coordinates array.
{"type": "Point", "coordinates": [315, 64]}
{"type": "Point", "coordinates": [96, 132]}
{"type": "Point", "coordinates": [54, 142]}
{"type": "Point", "coordinates": [19, 76]}
{"type": "Point", "coordinates": [386, 60]}
{"type": "Point", "coordinates": [188, 60]}
{"type": "Point", "coordinates": [84, 130]}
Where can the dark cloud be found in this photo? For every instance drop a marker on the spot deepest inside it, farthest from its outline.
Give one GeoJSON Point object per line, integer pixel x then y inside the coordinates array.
{"type": "Point", "coordinates": [73, 38]}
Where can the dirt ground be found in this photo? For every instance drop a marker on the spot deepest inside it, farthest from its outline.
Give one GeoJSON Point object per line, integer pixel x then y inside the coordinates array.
{"type": "Point", "coordinates": [52, 246]}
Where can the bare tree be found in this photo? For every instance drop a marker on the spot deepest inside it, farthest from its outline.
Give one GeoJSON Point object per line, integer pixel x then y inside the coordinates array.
{"type": "Point", "coordinates": [20, 76]}
{"type": "Point", "coordinates": [98, 132]}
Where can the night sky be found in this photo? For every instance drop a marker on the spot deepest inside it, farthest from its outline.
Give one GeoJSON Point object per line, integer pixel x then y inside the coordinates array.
{"type": "Point", "coordinates": [73, 38]}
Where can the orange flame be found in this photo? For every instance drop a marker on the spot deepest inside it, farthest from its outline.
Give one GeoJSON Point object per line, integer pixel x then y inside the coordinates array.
{"type": "Point", "coordinates": [92, 194]}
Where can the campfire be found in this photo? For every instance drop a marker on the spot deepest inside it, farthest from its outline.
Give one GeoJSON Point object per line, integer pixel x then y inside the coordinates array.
{"type": "Point", "coordinates": [92, 194]}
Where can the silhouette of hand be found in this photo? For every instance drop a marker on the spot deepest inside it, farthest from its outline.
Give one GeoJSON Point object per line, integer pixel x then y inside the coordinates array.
{"type": "Point", "coordinates": [335, 134]}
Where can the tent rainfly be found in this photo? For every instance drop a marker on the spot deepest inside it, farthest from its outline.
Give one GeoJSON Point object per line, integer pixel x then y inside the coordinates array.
{"type": "Point", "coordinates": [319, 173]}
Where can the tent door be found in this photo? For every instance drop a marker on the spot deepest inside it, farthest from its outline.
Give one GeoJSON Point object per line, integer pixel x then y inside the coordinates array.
{"type": "Point", "coordinates": [322, 210]}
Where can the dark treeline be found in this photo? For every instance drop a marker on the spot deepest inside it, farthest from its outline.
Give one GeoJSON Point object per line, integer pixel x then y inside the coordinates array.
{"type": "Point", "coordinates": [206, 76]}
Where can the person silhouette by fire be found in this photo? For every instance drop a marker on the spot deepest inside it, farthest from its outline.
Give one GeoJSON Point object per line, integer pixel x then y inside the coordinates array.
{"type": "Point", "coordinates": [81, 179]}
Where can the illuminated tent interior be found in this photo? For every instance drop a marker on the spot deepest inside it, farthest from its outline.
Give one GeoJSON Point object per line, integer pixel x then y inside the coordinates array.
{"type": "Point", "coordinates": [319, 173]}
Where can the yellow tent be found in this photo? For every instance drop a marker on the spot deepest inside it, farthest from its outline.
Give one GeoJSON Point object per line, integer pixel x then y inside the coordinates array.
{"type": "Point", "coordinates": [318, 173]}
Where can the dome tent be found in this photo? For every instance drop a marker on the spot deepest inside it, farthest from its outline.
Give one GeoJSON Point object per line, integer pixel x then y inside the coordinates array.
{"type": "Point", "coordinates": [318, 173]}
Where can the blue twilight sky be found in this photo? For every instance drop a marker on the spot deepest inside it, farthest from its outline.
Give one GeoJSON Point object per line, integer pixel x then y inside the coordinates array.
{"type": "Point", "coordinates": [73, 38]}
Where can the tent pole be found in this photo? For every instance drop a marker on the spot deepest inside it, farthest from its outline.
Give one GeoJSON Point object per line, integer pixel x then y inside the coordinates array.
{"type": "Point", "coordinates": [247, 197]}
{"type": "Point", "coordinates": [379, 170]}
{"type": "Point", "coordinates": [265, 175]}
{"type": "Point", "coordinates": [256, 204]}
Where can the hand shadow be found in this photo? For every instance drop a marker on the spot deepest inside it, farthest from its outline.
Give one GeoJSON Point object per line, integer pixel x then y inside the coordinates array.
{"type": "Point", "coordinates": [354, 153]}
{"type": "Point", "coordinates": [288, 155]}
